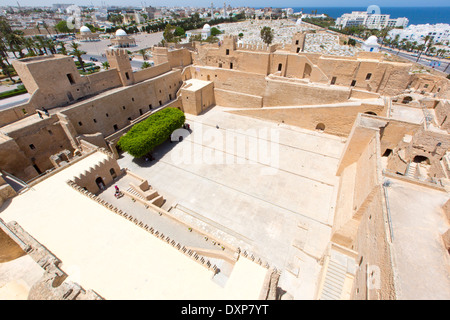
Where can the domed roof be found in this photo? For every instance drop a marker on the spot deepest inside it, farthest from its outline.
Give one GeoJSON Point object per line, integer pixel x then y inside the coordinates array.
{"type": "Point", "coordinates": [120, 33]}
{"type": "Point", "coordinates": [371, 40]}
{"type": "Point", "coordinates": [85, 29]}
{"type": "Point", "coordinates": [206, 27]}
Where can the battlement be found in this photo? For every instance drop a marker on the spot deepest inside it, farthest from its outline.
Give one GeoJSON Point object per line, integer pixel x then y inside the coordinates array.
{"type": "Point", "coordinates": [120, 53]}
{"type": "Point", "coordinates": [258, 47]}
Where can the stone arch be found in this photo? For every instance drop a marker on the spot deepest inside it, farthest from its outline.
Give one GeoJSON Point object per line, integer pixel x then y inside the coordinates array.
{"type": "Point", "coordinates": [421, 159]}
{"type": "Point", "coordinates": [407, 99]}
{"type": "Point", "coordinates": [307, 71]}
{"type": "Point", "coordinates": [100, 183]}
{"type": "Point", "coordinates": [320, 127]}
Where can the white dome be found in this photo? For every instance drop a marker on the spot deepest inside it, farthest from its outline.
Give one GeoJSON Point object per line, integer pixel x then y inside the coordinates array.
{"type": "Point", "coordinates": [85, 29]}
{"type": "Point", "coordinates": [206, 27]}
{"type": "Point", "coordinates": [120, 33]}
{"type": "Point", "coordinates": [371, 40]}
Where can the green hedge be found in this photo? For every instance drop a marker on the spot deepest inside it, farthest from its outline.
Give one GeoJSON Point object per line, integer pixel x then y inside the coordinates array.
{"type": "Point", "coordinates": [7, 94]}
{"type": "Point", "coordinates": [150, 133]}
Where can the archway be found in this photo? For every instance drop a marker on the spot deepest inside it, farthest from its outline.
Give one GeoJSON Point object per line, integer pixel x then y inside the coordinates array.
{"type": "Point", "coordinates": [371, 113]}
{"type": "Point", "coordinates": [407, 99]}
{"type": "Point", "coordinates": [100, 183]}
{"type": "Point", "coordinates": [307, 71]}
{"type": "Point", "coordinates": [320, 127]}
{"type": "Point", "coordinates": [421, 159]}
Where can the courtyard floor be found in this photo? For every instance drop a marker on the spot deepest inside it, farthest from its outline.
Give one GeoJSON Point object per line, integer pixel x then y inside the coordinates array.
{"type": "Point", "coordinates": [265, 187]}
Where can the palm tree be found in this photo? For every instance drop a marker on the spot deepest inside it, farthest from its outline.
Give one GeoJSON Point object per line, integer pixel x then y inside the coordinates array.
{"type": "Point", "coordinates": [143, 52]}
{"type": "Point", "coordinates": [78, 53]}
{"type": "Point", "coordinates": [145, 65]}
{"type": "Point", "coordinates": [105, 65]}
{"type": "Point", "coordinates": [426, 40]}
{"type": "Point", "coordinates": [62, 48]}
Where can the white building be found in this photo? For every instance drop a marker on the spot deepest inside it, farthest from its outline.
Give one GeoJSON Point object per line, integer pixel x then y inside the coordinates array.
{"type": "Point", "coordinates": [371, 44]}
{"type": "Point", "coordinates": [369, 20]}
{"type": "Point", "coordinates": [438, 32]}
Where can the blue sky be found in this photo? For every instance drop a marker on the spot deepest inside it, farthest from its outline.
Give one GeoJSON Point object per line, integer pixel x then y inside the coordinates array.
{"type": "Point", "coordinates": [249, 3]}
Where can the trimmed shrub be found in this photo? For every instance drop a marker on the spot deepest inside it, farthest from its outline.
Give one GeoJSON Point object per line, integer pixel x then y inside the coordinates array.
{"type": "Point", "coordinates": [150, 133]}
{"type": "Point", "coordinates": [7, 94]}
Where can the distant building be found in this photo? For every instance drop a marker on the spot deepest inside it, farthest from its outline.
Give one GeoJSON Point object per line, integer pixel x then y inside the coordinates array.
{"type": "Point", "coordinates": [371, 44]}
{"type": "Point", "coordinates": [438, 32]}
{"type": "Point", "coordinates": [369, 20]}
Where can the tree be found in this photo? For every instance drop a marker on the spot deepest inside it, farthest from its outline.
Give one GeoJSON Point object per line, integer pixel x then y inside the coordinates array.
{"type": "Point", "coordinates": [215, 31]}
{"type": "Point", "coordinates": [179, 32]}
{"type": "Point", "coordinates": [168, 33]}
{"type": "Point", "coordinates": [78, 53]}
{"type": "Point", "coordinates": [145, 65]}
{"type": "Point", "coordinates": [267, 35]}
{"type": "Point", "coordinates": [241, 35]}
{"type": "Point", "coordinates": [105, 65]}
{"type": "Point", "coordinates": [143, 53]}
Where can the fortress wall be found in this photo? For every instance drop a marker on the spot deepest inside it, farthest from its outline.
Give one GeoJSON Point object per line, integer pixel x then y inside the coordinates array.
{"type": "Point", "coordinates": [151, 72]}
{"type": "Point", "coordinates": [104, 80]}
{"type": "Point", "coordinates": [9, 249]}
{"type": "Point", "coordinates": [234, 99]}
{"type": "Point", "coordinates": [47, 138]}
{"type": "Point", "coordinates": [102, 170]}
{"type": "Point", "coordinates": [337, 120]}
{"type": "Point", "coordinates": [14, 161]}
{"type": "Point", "coordinates": [281, 93]}
{"type": "Point", "coordinates": [360, 216]}
{"type": "Point", "coordinates": [16, 113]}
{"type": "Point", "coordinates": [442, 112]}
{"type": "Point", "coordinates": [231, 80]}
{"type": "Point", "coordinates": [108, 109]}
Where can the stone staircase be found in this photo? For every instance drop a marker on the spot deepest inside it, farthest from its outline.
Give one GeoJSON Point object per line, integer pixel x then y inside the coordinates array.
{"type": "Point", "coordinates": [339, 271]}
{"type": "Point", "coordinates": [412, 170]}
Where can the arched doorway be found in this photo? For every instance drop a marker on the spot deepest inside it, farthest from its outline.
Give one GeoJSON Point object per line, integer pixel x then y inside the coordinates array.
{"type": "Point", "coordinates": [320, 127]}
{"type": "Point", "coordinates": [100, 183]}
{"type": "Point", "coordinates": [407, 100]}
{"type": "Point", "coordinates": [421, 159]}
{"type": "Point", "coordinates": [307, 71]}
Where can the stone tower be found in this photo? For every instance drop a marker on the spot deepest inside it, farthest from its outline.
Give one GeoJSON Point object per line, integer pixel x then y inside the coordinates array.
{"type": "Point", "coordinates": [119, 59]}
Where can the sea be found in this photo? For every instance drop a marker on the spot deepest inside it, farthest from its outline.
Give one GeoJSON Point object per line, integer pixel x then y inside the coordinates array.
{"type": "Point", "coordinates": [416, 15]}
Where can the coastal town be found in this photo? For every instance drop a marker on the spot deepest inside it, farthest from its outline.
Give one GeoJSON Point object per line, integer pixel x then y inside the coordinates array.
{"type": "Point", "coordinates": [222, 153]}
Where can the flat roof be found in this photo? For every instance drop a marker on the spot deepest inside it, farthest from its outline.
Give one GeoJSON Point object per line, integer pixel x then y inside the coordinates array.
{"type": "Point", "coordinates": [105, 252]}
{"type": "Point", "coordinates": [420, 258]}
{"type": "Point", "coordinates": [195, 84]}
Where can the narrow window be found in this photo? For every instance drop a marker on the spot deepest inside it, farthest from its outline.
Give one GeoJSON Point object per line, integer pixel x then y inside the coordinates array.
{"type": "Point", "coordinates": [123, 107]}
{"type": "Point", "coordinates": [231, 65]}
{"type": "Point", "coordinates": [115, 127]}
{"type": "Point", "coordinates": [70, 77]}
{"type": "Point", "coordinates": [95, 120]}
{"type": "Point", "coordinates": [228, 52]}
{"type": "Point", "coordinates": [369, 75]}
{"type": "Point", "coordinates": [150, 106]}
{"type": "Point", "coordinates": [280, 66]}
{"type": "Point", "coordinates": [50, 132]}
{"type": "Point", "coordinates": [296, 41]}
{"type": "Point", "coordinates": [80, 123]}
{"type": "Point", "coordinates": [353, 83]}
{"type": "Point", "coordinates": [298, 50]}
{"type": "Point", "coordinates": [220, 64]}
{"type": "Point", "coordinates": [126, 74]}
{"type": "Point", "coordinates": [141, 112]}
{"type": "Point", "coordinates": [129, 118]}
{"type": "Point", "coordinates": [170, 96]}
{"type": "Point", "coordinates": [160, 102]}
{"type": "Point", "coordinates": [107, 115]}
{"type": "Point", "coordinates": [32, 147]}
{"type": "Point", "coordinates": [333, 80]}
